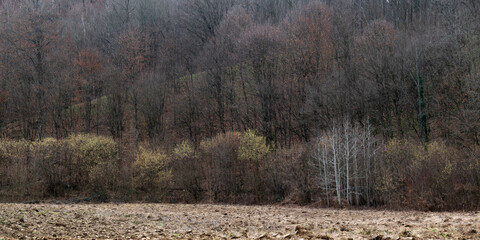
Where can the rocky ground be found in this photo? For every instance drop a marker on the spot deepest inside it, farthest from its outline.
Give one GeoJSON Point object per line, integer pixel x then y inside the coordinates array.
{"type": "Point", "coordinates": [165, 221]}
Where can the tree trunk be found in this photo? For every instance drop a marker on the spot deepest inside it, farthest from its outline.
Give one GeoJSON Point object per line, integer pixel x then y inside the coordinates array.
{"type": "Point", "coordinates": [346, 129]}
{"type": "Point", "coordinates": [135, 105]}
{"type": "Point", "coordinates": [336, 167]}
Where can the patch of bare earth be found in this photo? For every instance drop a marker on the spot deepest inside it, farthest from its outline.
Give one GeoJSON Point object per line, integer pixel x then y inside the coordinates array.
{"type": "Point", "coordinates": [165, 221]}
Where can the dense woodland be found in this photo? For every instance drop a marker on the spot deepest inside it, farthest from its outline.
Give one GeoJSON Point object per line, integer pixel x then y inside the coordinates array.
{"type": "Point", "coordinates": [333, 102]}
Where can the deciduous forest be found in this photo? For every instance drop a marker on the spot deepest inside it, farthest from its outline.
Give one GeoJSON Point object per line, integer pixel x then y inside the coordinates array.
{"type": "Point", "coordinates": [368, 103]}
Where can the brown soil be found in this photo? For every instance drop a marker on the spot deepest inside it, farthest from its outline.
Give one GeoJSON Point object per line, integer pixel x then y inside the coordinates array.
{"type": "Point", "coordinates": [164, 221]}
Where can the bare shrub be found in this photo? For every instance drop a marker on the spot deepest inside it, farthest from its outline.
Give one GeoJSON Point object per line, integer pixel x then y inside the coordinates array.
{"type": "Point", "coordinates": [417, 176]}
{"type": "Point", "coordinates": [19, 180]}
{"type": "Point", "coordinates": [220, 154]}
{"type": "Point", "coordinates": [188, 172]}
{"type": "Point", "coordinates": [235, 163]}
{"type": "Point", "coordinates": [287, 179]}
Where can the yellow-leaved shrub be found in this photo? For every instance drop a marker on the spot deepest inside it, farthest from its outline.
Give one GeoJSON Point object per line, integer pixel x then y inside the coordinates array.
{"type": "Point", "coordinates": [92, 149]}
{"type": "Point", "coordinates": [183, 150]}
{"type": "Point", "coordinates": [95, 159]}
{"type": "Point", "coordinates": [253, 147]}
{"type": "Point", "coordinates": [54, 166]}
{"type": "Point", "coordinates": [152, 172]}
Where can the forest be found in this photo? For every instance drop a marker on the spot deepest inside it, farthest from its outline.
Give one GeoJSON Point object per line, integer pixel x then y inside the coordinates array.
{"type": "Point", "coordinates": [366, 103]}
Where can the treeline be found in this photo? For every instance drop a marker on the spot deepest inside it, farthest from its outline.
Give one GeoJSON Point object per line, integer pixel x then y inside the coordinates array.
{"type": "Point", "coordinates": [346, 166]}
{"type": "Point", "coordinates": [80, 166]}
{"type": "Point", "coordinates": [309, 76]}
{"type": "Point", "coordinates": [163, 71]}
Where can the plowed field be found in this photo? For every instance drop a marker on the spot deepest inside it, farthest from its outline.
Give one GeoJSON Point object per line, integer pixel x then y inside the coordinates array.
{"type": "Point", "coordinates": [165, 221]}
